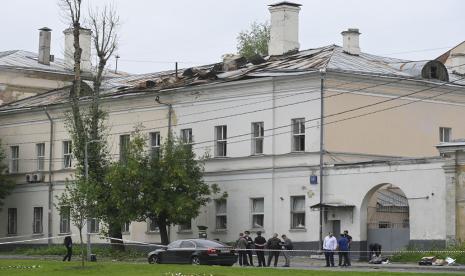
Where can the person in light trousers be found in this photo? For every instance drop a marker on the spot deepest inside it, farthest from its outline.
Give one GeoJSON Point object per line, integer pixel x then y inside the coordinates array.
{"type": "Point", "coordinates": [287, 245]}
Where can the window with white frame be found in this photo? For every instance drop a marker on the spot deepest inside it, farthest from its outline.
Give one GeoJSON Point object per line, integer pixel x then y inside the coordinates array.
{"type": "Point", "coordinates": [94, 225]}
{"type": "Point", "coordinates": [186, 135]}
{"type": "Point", "coordinates": [221, 216]}
{"type": "Point", "coordinates": [297, 212]}
{"type": "Point", "coordinates": [221, 136]}
{"type": "Point", "coordinates": [12, 221]}
{"type": "Point", "coordinates": [125, 228]}
{"type": "Point", "coordinates": [124, 147]}
{"type": "Point", "coordinates": [298, 134]}
{"type": "Point", "coordinates": [258, 132]}
{"type": "Point", "coordinates": [14, 159]}
{"type": "Point", "coordinates": [155, 142]}
{"type": "Point", "coordinates": [258, 212]}
{"type": "Point", "coordinates": [37, 220]}
{"type": "Point", "coordinates": [445, 134]}
{"type": "Point", "coordinates": [67, 154]}
{"type": "Point", "coordinates": [40, 152]}
{"type": "Point", "coordinates": [65, 220]}
{"type": "Point", "coordinates": [185, 226]}
{"type": "Point", "coordinates": [152, 226]}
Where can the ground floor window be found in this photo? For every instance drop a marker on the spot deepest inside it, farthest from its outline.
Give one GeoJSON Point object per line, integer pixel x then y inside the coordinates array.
{"type": "Point", "coordinates": [12, 221]}
{"type": "Point", "coordinates": [37, 220]}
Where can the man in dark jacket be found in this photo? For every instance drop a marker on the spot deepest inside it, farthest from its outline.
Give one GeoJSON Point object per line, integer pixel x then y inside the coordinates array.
{"type": "Point", "coordinates": [349, 238]}
{"type": "Point", "coordinates": [68, 242]}
{"type": "Point", "coordinates": [343, 245]}
{"type": "Point", "coordinates": [249, 247]}
{"type": "Point", "coordinates": [260, 243]}
{"type": "Point", "coordinates": [274, 244]}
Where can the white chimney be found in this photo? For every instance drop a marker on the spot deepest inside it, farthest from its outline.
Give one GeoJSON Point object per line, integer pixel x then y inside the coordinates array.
{"type": "Point", "coordinates": [84, 42]}
{"type": "Point", "coordinates": [284, 33]}
{"type": "Point", "coordinates": [45, 37]}
{"type": "Point", "coordinates": [350, 43]}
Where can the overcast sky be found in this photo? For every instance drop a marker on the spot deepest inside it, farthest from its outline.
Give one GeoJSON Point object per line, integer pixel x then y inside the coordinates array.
{"type": "Point", "coordinates": [156, 33]}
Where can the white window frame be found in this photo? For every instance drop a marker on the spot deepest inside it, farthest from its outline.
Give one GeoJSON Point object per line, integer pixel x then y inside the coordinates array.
{"type": "Point", "coordinates": [151, 229]}
{"type": "Point", "coordinates": [126, 228]}
{"type": "Point", "coordinates": [255, 214]}
{"type": "Point", "coordinates": [185, 227]}
{"type": "Point", "coordinates": [40, 153]}
{"type": "Point", "coordinates": [295, 213]}
{"type": "Point", "coordinates": [298, 133]}
{"type": "Point", "coordinates": [258, 133]}
{"type": "Point", "coordinates": [124, 141]}
{"type": "Point", "coordinates": [65, 225]}
{"type": "Point", "coordinates": [221, 215]}
{"type": "Point", "coordinates": [94, 225]}
{"type": "Point", "coordinates": [155, 143]}
{"type": "Point", "coordinates": [14, 159]}
{"type": "Point", "coordinates": [221, 141]}
{"type": "Point", "coordinates": [12, 221]}
{"type": "Point", "coordinates": [442, 134]}
{"type": "Point", "coordinates": [38, 220]}
{"type": "Point", "coordinates": [67, 154]}
{"type": "Point", "coordinates": [186, 136]}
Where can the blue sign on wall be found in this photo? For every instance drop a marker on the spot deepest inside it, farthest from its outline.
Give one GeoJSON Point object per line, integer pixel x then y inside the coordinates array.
{"type": "Point", "coordinates": [313, 179]}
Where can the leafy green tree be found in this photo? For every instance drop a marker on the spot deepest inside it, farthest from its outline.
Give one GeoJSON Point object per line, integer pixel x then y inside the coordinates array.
{"type": "Point", "coordinates": [6, 183]}
{"type": "Point", "coordinates": [254, 41]}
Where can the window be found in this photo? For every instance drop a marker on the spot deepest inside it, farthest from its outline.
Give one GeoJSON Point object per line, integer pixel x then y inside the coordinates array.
{"type": "Point", "coordinates": [186, 135]}
{"type": "Point", "coordinates": [257, 212]}
{"type": "Point", "coordinates": [220, 141]}
{"type": "Point", "coordinates": [64, 220]}
{"type": "Point", "coordinates": [155, 140]}
{"type": "Point", "coordinates": [384, 224]}
{"type": "Point", "coordinates": [37, 220]}
{"type": "Point", "coordinates": [445, 134]}
{"type": "Point", "coordinates": [125, 227]}
{"type": "Point", "coordinates": [187, 244]}
{"type": "Point", "coordinates": [297, 212]}
{"type": "Point", "coordinates": [94, 225]}
{"type": "Point", "coordinates": [185, 226]}
{"type": "Point", "coordinates": [12, 221]}
{"type": "Point", "coordinates": [67, 154]}
{"type": "Point", "coordinates": [257, 138]}
{"type": "Point", "coordinates": [40, 150]}
{"type": "Point", "coordinates": [14, 160]}
{"type": "Point", "coordinates": [221, 217]}
{"type": "Point", "coordinates": [298, 134]}
{"type": "Point", "coordinates": [153, 226]}
{"type": "Point", "coordinates": [124, 147]}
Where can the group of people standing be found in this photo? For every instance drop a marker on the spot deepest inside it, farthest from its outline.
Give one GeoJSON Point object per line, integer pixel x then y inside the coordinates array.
{"type": "Point", "coordinates": [245, 246]}
{"type": "Point", "coordinates": [341, 246]}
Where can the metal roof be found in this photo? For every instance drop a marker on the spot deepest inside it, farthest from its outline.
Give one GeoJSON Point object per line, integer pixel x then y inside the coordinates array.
{"type": "Point", "coordinates": [19, 59]}
{"type": "Point", "coordinates": [331, 58]}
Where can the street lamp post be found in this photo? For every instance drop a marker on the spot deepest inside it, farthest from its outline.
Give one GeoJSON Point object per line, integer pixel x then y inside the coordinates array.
{"type": "Point", "coordinates": [86, 175]}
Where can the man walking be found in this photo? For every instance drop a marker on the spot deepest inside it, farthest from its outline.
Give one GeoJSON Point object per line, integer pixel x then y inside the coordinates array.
{"type": "Point", "coordinates": [249, 246]}
{"type": "Point", "coordinates": [329, 246]}
{"type": "Point", "coordinates": [241, 245]}
{"type": "Point", "coordinates": [260, 243]}
{"type": "Point", "coordinates": [274, 245]}
{"type": "Point", "coordinates": [68, 242]}
{"type": "Point", "coordinates": [343, 245]}
{"type": "Point", "coordinates": [287, 245]}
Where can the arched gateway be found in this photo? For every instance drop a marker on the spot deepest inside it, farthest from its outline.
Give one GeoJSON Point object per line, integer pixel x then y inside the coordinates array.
{"type": "Point", "coordinates": [385, 218]}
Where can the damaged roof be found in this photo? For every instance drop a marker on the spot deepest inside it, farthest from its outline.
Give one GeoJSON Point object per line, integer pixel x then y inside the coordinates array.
{"type": "Point", "coordinates": [331, 58]}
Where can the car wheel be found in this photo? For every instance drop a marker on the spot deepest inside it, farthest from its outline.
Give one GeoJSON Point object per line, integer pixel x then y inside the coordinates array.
{"type": "Point", "coordinates": [195, 260]}
{"type": "Point", "coordinates": [153, 259]}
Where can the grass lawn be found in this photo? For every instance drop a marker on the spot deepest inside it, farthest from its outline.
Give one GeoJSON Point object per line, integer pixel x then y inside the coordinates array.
{"type": "Point", "coordinates": [24, 267]}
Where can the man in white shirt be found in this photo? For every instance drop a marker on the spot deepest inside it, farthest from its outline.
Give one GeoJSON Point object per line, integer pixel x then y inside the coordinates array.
{"type": "Point", "coordinates": [329, 247]}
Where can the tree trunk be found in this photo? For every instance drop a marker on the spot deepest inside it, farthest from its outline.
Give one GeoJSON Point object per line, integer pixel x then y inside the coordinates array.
{"type": "Point", "coordinates": [162, 225]}
{"type": "Point", "coordinates": [82, 247]}
{"type": "Point", "coordinates": [114, 231]}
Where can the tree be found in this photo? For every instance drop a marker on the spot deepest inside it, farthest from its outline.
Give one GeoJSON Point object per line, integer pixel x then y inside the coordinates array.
{"type": "Point", "coordinates": [6, 183]}
{"type": "Point", "coordinates": [75, 201]}
{"type": "Point", "coordinates": [254, 41]}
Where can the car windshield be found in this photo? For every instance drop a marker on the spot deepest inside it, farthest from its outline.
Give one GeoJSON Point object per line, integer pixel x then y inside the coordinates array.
{"type": "Point", "coordinates": [212, 244]}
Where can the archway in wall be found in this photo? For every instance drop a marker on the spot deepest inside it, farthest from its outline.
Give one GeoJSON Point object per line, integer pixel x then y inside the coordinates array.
{"type": "Point", "coordinates": [387, 217]}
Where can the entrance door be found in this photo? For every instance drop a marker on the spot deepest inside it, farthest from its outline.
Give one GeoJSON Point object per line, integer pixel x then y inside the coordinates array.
{"type": "Point", "coordinates": [336, 227]}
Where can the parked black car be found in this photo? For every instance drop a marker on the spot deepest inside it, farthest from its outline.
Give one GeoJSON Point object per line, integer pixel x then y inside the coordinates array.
{"type": "Point", "coordinates": [194, 251]}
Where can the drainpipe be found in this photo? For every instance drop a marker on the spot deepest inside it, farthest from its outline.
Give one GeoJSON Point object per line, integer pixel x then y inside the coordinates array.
{"type": "Point", "coordinates": [50, 183]}
{"type": "Point", "coordinates": [322, 86]}
{"type": "Point", "coordinates": [170, 111]}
